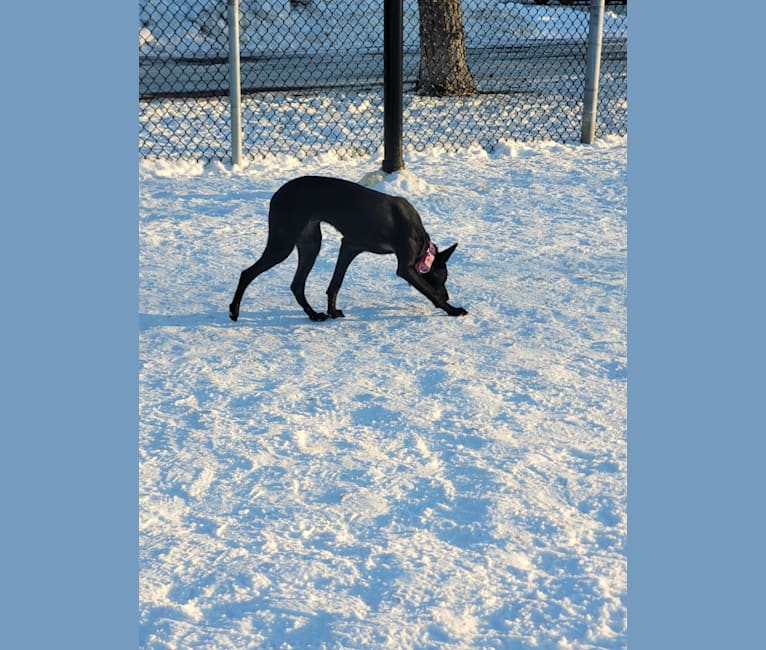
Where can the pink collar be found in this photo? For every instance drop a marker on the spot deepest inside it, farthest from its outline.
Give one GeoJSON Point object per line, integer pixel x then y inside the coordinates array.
{"type": "Point", "coordinates": [423, 265]}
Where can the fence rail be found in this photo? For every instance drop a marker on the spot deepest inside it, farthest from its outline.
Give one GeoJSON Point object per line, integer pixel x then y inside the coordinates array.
{"type": "Point", "coordinates": [311, 76]}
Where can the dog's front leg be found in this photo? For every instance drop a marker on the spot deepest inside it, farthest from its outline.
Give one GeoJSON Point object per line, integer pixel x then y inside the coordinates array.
{"type": "Point", "coordinates": [346, 255]}
{"type": "Point", "coordinates": [417, 281]}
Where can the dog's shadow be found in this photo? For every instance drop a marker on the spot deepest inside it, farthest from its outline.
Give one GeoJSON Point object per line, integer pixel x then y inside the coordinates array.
{"type": "Point", "coordinates": [273, 318]}
{"type": "Point", "coordinates": [280, 319]}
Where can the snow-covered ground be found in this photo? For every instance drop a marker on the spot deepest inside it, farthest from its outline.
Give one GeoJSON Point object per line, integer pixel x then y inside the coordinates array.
{"type": "Point", "coordinates": [397, 478]}
{"type": "Point", "coordinates": [352, 122]}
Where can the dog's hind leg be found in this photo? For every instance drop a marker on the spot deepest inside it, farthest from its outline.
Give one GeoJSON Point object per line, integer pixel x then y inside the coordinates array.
{"type": "Point", "coordinates": [346, 255]}
{"type": "Point", "coordinates": [278, 248]}
{"type": "Point", "coordinates": [309, 242]}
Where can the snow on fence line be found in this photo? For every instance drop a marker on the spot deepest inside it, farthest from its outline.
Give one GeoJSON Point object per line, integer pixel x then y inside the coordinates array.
{"type": "Point", "coordinates": [311, 76]}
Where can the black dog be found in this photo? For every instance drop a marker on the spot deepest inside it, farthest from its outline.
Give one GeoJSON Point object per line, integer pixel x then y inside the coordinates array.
{"type": "Point", "coordinates": [368, 221]}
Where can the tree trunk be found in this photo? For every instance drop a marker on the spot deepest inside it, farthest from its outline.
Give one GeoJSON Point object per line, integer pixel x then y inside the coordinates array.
{"type": "Point", "coordinates": [443, 66]}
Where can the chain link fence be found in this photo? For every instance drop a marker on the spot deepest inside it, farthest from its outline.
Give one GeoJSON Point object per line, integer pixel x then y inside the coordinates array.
{"type": "Point", "coordinates": [312, 76]}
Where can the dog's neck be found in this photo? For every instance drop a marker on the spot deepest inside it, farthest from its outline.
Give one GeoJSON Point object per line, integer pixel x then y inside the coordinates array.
{"type": "Point", "coordinates": [423, 265]}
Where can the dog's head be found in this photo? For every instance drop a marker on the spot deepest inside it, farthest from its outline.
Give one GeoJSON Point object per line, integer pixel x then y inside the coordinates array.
{"type": "Point", "coordinates": [437, 276]}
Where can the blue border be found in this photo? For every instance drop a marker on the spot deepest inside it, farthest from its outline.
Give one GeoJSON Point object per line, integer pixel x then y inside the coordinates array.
{"type": "Point", "coordinates": [69, 478]}
{"type": "Point", "coordinates": [696, 569]}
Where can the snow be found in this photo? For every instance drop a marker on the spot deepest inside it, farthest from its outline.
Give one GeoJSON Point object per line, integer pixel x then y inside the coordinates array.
{"type": "Point", "coordinates": [350, 123]}
{"type": "Point", "coordinates": [397, 478]}
{"type": "Point", "coordinates": [273, 29]}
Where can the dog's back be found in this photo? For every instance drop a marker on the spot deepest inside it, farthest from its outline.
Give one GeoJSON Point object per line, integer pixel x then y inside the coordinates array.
{"type": "Point", "coordinates": [370, 218]}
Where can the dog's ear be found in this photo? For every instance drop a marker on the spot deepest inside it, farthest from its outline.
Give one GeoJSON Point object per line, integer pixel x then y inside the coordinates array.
{"type": "Point", "coordinates": [445, 254]}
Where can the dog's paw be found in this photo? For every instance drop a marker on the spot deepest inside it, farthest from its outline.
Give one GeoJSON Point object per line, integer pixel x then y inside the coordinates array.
{"type": "Point", "coordinates": [457, 311]}
{"type": "Point", "coordinates": [317, 316]}
{"type": "Point", "coordinates": [337, 313]}
{"type": "Point", "coordinates": [233, 312]}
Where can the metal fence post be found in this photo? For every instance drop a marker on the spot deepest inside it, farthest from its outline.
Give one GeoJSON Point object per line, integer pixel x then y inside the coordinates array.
{"type": "Point", "coordinates": [592, 71]}
{"type": "Point", "coordinates": [234, 83]}
{"type": "Point", "coordinates": [393, 28]}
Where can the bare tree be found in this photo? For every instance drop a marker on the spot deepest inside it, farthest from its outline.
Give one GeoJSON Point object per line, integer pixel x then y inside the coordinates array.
{"type": "Point", "coordinates": [443, 66]}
